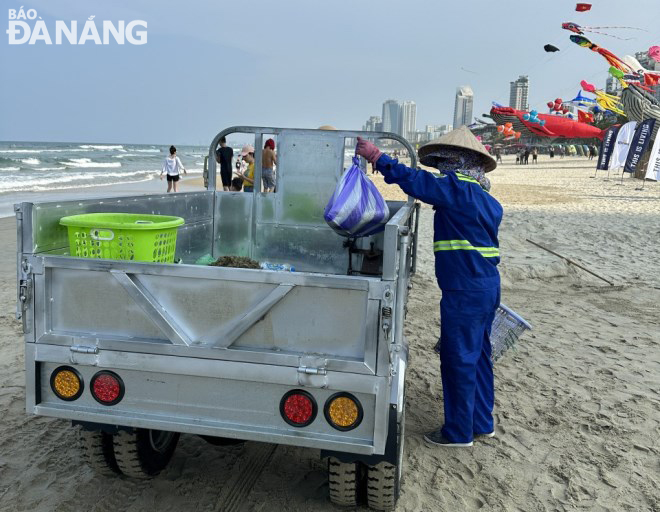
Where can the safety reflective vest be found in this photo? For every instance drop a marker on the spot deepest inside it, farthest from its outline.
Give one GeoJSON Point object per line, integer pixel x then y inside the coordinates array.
{"type": "Point", "coordinates": [465, 224]}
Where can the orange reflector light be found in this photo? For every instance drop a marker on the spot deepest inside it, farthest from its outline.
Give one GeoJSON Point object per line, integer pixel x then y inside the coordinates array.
{"type": "Point", "coordinates": [343, 411]}
{"type": "Point", "coordinates": [66, 383]}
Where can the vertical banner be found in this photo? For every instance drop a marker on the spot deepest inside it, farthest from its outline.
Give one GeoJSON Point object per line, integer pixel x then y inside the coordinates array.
{"type": "Point", "coordinates": [606, 147]}
{"type": "Point", "coordinates": [640, 143]}
{"type": "Point", "coordinates": [653, 170]}
{"type": "Point", "coordinates": [622, 145]}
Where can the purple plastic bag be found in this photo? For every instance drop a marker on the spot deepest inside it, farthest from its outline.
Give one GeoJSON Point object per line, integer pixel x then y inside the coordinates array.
{"type": "Point", "coordinates": [356, 208]}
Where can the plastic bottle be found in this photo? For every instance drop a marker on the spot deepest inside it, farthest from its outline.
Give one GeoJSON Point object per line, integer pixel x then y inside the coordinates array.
{"type": "Point", "coordinates": [282, 267]}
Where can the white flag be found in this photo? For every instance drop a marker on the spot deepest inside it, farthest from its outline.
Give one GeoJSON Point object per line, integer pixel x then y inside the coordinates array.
{"type": "Point", "coordinates": [622, 145]}
{"type": "Point", "coordinates": [653, 169]}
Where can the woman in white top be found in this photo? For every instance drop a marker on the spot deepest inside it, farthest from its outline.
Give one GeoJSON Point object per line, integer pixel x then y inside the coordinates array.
{"type": "Point", "coordinates": [173, 167]}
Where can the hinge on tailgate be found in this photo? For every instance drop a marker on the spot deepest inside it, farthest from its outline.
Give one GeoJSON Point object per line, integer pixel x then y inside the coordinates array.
{"type": "Point", "coordinates": [24, 295]}
{"type": "Point", "coordinates": [310, 370]}
{"type": "Point", "coordinates": [84, 349]}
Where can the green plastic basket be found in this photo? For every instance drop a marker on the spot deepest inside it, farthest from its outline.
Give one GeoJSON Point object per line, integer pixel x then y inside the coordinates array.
{"type": "Point", "coordinates": [122, 236]}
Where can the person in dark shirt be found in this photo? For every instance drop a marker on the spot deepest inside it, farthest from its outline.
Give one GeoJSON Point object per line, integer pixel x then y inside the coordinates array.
{"type": "Point", "coordinates": [224, 155]}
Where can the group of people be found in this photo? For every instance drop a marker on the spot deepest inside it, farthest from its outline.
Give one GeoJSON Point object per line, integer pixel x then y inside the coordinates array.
{"type": "Point", "coordinates": [522, 156]}
{"type": "Point", "coordinates": [241, 175]}
{"type": "Point", "coordinates": [236, 178]}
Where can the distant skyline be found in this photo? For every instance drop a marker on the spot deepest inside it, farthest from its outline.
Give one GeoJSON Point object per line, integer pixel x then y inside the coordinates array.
{"type": "Point", "coordinates": [210, 65]}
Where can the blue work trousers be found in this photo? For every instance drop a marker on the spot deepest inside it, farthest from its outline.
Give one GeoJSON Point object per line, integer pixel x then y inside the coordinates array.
{"type": "Point", "coordinates": [466, 318]}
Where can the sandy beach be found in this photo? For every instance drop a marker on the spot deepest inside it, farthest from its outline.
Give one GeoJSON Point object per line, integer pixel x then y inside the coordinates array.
{"type": "Point", "coordinates": [577, 403]}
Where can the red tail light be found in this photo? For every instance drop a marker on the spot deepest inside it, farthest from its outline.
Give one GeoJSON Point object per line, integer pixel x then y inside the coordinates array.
{"type": "Point", "coordinates": [107, 388]}
{"type": "Point", "coordinates": [298, 408]}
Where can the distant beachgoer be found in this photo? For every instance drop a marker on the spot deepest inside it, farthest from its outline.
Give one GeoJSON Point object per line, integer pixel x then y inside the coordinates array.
{"type": "Point", "coordinates": [526, 156]}
{"type": "Point", "coordinates": [224, 155]}
{"type": "Point", "coordinates": [562, 152]}
{"type": "Point", "coordinates": [535, 155]}
{"type": "Point", "coordinates": [247, 155]}
{"type": "Point", "coordinates": [498, 155]}
{"type": "Point", "coordinates": [268, 162]}
{"type": "Point", "coordinates": [552, 152]}
{"type": "Point", "coordinates": [173, 167]}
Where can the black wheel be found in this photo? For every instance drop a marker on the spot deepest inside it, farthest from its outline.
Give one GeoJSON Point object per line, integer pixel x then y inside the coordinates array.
{"type": "Point", "coordinates": [343, 478]}
{"type": "Point", "coordinates": [384, 478]}
{"type": "Point", "coordinates": [144, 453]}
{"type": "Point", "coordinates": [98, 452]}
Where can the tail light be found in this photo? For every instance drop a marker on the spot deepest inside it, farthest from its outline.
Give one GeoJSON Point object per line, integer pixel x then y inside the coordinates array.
{"type": "Point", "coordinates": [343, 411]}
{"type": "Point", "coordinates": [66, 383]}
{"type": "Point", "coordinates": [107, 388]}
{"type": "Point", "coordinates": [298, 408]}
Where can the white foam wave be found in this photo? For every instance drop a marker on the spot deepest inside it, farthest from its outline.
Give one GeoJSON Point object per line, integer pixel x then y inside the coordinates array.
{"type": "Point", "coordinates": [49, 168]}
{"type": "Point", "coordinates": [73, 180]}
{"type": "Point", "coordinates": [124, 156]}
{"type": "Point", "coordinates": [36, 151]}
{"type": "Point", "coordinates": [30, 161]}
{"type": "Point", "coordinates": [100, 146]}
{"type": "Point", "coordinates": [146, 150]}
{"type": "Point", "coordinates": [10, 168]}
{"type": "Point", "coordinates": [88, 163]}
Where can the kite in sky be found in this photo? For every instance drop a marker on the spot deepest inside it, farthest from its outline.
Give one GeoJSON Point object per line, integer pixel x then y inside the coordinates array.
{"type": "Point", "coordinates": [582, 7]}
{"type": "Point", "coordinates": [654, 53]}
{"type": "Point", "coordinates": [580, 30]}
{"type": "Point", "coordinates": [552, 48]}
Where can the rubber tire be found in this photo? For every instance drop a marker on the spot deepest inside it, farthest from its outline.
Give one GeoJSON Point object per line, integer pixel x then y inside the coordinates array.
{"type": "Point", "coordinates": [98, 452]}
{"type": "Point", "coordinates": [343, 480]}
{"type": "Point", "coordinates": [384, 479]}
{"type": "Point", "coordinates": [144, 453]}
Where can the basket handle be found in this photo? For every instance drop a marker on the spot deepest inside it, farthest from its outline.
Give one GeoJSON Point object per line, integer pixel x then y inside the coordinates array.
{"type": "Point", "coordinates": [101, 234]}
{"type": "Point", "coordinates": [144, 221]}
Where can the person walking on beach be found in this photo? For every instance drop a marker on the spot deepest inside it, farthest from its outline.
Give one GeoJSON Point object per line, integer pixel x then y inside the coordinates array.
{"type": "Point", "coordinates": [224, 156]}
{"type": "Point", "coordinates": [552, 152]}
{"type": "Point", "coordinates": [172, 166]}
{"type": "Point", "coordinates": [535, 155]}
{"type": "Point", "coordinates": [466, 247]}
{"type": "Point", "coordinates": [498, 155]}
{"type": "Point", "coordinates": [526, 156]}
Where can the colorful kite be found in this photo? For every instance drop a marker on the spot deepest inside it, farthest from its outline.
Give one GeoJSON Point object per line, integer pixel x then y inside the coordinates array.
{"type": "Point", "coordinates": [606, 101]}
{"type": "Point", "coordinates": [582, 7]}
{"type": "Point", "coordinates": [654, 53]}
{"type": "Point", "coordinates": [577, 29]}
{"type": "Point", "coordinates": [612, 59]}
{"type": "Point", "coordinates": [554, 126]}
{"type": "Point", "coordinates": [507, 131]}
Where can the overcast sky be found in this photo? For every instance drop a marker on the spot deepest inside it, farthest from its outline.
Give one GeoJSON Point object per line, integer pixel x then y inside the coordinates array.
{"type": "Point", "coordinates": [295, 63]}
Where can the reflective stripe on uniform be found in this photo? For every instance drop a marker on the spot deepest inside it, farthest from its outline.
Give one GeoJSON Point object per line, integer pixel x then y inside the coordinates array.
{"type": "Point", "coordinates": [463, 177]}
{"type": "Point", "coordinates": [465, 245]}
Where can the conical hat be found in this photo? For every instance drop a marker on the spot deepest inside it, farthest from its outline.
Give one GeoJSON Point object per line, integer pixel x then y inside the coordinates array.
{"type": "Point", "coordinates": [461, 139]}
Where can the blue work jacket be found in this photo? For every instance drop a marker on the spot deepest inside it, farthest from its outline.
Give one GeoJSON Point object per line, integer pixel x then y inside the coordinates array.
{"type": "Point", "coordinates": [465, 224]}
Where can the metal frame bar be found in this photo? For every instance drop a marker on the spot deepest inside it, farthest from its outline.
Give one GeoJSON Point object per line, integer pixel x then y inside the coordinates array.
{"type": "Point", "coordinates": [157, 313]}
{"type": "Point", "coordinates": [224, 338]}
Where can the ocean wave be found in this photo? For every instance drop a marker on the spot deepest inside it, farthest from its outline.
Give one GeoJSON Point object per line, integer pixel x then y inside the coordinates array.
{"type": "Point", "coordinates": [36, 151]}
{"type": "Point", "coordinates": [145, 150]}
{"type": "Point", "coordinates": [30, 161]}
{"type": "Point", "coordinates": [10, 168]}
{"type": "Point", "coordinates": [100, 146]}
{"type": "Point", "coordinates": [88, 163]}
{"type": "Point", "coordinates": [127, 155]}
{"type": "Point", "coordinates": [73, 180]}
{"type": "Point", "coordinates": [49, 168]}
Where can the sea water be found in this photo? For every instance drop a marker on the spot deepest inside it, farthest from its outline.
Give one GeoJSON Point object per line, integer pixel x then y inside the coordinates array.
{"type": "Point", "coordinates": [42, 166]}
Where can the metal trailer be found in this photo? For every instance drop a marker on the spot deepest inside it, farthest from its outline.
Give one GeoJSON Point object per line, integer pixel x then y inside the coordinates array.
{"type": "Point", "coordinates": [216, 351]}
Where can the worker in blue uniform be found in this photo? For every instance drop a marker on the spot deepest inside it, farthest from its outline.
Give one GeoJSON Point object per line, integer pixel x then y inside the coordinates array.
{"type": "Point", "coordinates": [467, 252]}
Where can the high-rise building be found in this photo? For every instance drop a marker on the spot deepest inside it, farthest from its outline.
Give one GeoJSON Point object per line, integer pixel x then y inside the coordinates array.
{"type": "Point", "coordinates": [650, 64]}
{"type": "Point", "coordinates": [392, 117]}
{"type": "Point", "coordinates": [518, 97]}
{"type": "Point", "coordinates": [408, 119]}
{"type": "Point", "coordinates": [613, 86]}
{"type": "Point", "coordinates": [463, 106]}
{"type": "Point", "coordinates": [373, 124]}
